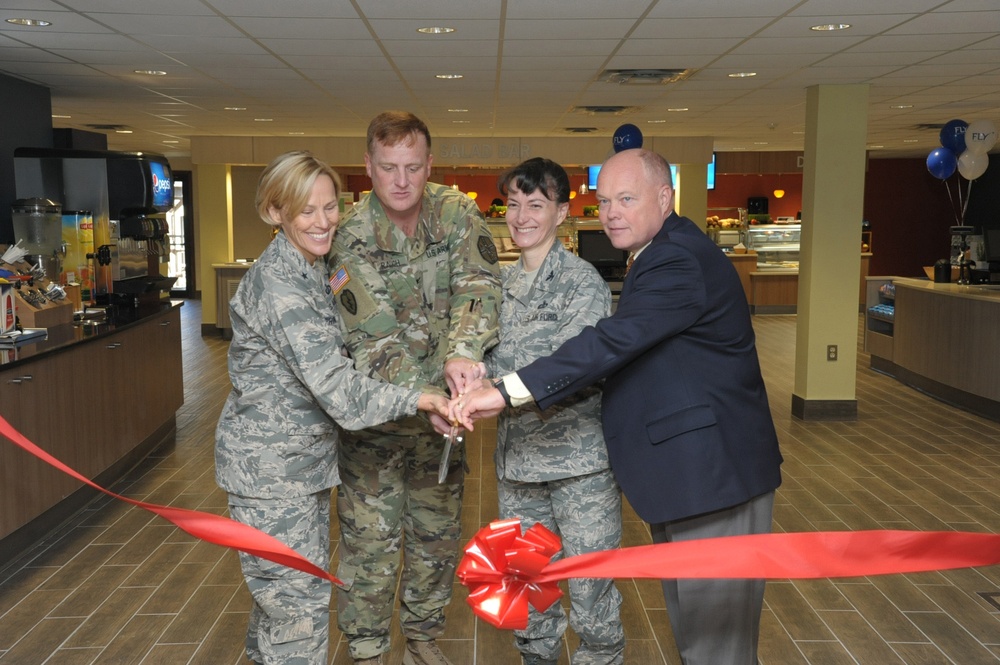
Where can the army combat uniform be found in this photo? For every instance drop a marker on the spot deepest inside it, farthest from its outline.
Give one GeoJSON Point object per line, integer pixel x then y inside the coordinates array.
{"type": "Point", "coordinates": [552, 465]}
{"type": "Point", "coordinates": [408, 305]}
{"type": "Point", "coordinates": [276, 441]}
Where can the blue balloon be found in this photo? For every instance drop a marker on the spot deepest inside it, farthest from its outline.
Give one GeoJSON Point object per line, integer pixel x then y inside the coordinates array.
{"type": "Point", "coordinates": [627, 137]}
{"type": "Point", "coordinates": [953, 135]}
{"type": "Point", "coordinates": [942, 163]}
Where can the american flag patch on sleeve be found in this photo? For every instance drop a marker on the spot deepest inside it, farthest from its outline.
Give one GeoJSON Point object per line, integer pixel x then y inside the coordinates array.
{"type": "Point", "coordinates": [339, 279]}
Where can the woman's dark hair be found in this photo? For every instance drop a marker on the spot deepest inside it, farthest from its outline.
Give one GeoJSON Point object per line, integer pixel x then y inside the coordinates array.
{"type": "Point", "coordinates": [540, 174]}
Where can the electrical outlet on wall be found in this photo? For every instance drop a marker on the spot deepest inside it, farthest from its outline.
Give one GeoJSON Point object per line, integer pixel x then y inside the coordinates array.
{"type": "Point", "coordinates": [831, 351]}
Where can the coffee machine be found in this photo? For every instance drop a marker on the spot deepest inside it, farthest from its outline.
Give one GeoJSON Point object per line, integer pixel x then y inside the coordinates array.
{"type": "Point", "coordinates": [128, 195]}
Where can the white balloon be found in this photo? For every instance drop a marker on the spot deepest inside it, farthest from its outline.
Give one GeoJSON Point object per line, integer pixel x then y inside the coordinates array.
{"type": "Point", "coordinates": [972, 165]}
{"type": "Point", "coordinates": [980, 137]}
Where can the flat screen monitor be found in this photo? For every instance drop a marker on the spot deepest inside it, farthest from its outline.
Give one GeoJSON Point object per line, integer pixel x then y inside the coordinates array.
{"type": "Point", "coordinates": [593, 245]}
{"type": "Point", "coordinates": [594, 169]}
{"type": "Point", "coordinates": [991, 237]}
{"type": "Point", "coordinates": [592, 172]}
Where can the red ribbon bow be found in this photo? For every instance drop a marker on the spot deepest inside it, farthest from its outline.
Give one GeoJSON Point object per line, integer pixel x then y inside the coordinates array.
{"type": "Point", "coordinates": [500, 566]}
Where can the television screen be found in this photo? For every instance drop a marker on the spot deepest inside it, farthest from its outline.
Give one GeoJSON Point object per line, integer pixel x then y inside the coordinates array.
{"type": "Point", "coordinates": [592, 172]}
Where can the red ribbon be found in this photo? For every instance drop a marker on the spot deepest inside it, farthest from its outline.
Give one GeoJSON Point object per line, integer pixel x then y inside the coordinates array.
{"type": "Point", "coordinates": [505, 571]}
{"type": "Point", "coordinates": [205, 526]}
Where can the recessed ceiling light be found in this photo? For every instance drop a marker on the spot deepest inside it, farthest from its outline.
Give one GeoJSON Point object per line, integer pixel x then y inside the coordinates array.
{"type": "Point", "coordinates": [461, 122]}
{"type": "Point", "coordinates": [296, 133]}
{"type": "Point", "coordinates": [901, 106]}
{"type": "Point", "coordinates": [61, 116]}
{"type": "Point", "coordinates": [678, 109]}
{"type": "Point", "coordinates": [448, 76]}
{"type": "Point", "coordinates": [875, 147]}
{"type": "Point", "coordinates": [171, 141]}
{"type": "Point", "coordinates": [29, 22]}
{"type": "Point", "coordinates": [435, 30]}
{"type": "Point", "coordinates": [458, 110]}
{"type": "Point", "coordinates": [760, 142]}
{"type": "Point", "coordinates": [656, 122]}
{"type": "Point", "coordinates": [235, 108]}
{"type": "Point", "coordinates": [150, 72]}
{"type": "Point", "coordinates": [742, 75]}
{"type": "Point", "coordinates": [911, 140]}
{"type": "Point", "coordinates": [830, 27]}
{"type": "Point", "coordinates": [123, 131]}
{"type": "Point", "coordinates": [263, 119]}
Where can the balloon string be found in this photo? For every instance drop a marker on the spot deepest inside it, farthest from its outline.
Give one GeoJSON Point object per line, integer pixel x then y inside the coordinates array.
{"type": "Point", "coordinates": [951, 199]}
{"type": "Point", "coordinates": [968, 195]}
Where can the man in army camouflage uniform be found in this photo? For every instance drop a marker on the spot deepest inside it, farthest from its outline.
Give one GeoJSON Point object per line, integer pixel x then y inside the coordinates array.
{"type": "Point", "coordinates": [416, 281]}
{"type": "Point", "coordinates": [552, 465]}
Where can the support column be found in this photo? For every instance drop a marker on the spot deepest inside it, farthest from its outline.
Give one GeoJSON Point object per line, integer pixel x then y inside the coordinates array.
{"type": "Point", "coordinates": [833, 185]}
{"type": "Point", "coordinates": [213, 190]}
{"type": "Point", "coordinates": [691, 200]}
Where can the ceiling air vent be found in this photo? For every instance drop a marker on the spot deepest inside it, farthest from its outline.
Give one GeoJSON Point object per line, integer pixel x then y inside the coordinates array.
{"type": "Point", "coordinates": [580, 130]}
{"type": "Point", "coordinates": [936, 126]}
{"type": "Point", "coordinates": [644, 76]}
{"type": "Point", "coordinates": [605, 110]}
{"type": "Point", "coordinates": [110, 128]}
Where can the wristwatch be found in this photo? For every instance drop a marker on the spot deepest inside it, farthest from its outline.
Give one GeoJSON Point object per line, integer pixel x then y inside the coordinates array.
{"type": "Point", "coordinates": [498, 384]}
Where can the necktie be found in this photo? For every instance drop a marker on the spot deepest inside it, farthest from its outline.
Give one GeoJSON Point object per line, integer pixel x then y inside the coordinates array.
{"type": "Point", "coordinates": [628, 263]}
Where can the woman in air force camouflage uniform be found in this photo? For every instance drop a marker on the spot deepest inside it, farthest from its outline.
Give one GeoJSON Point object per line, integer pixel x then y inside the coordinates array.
{"type": "Point", "coordinates": [276, 441]}
{"type": "Point", "coordinates": [552, 465]}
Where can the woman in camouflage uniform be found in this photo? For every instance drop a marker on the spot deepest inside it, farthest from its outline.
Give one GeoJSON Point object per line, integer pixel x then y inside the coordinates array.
{"type": "Point", "coordinates": [552, 465]}
{"type": "Point", "coordinates": [276, 441]}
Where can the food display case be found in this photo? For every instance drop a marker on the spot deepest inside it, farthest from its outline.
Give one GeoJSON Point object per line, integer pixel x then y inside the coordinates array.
{"type": "Point", "coordinates": [777, 245]}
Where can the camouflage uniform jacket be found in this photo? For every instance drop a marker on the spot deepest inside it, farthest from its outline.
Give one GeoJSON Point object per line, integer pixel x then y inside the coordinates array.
{"type": "Point", "coordinates": [276, 437]}
{"type": "Point", "coordinates": [566, 439]}
{"type": "Point", "coordinates": [409, 304]}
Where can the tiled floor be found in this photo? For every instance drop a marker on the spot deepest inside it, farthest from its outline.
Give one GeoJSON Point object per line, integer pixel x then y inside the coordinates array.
{"type": "Point", "coordinates": [118, 585]}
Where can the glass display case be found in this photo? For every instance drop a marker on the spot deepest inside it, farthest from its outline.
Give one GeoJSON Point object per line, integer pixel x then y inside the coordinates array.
{"type": "Point", "coordinates": [777, 245]}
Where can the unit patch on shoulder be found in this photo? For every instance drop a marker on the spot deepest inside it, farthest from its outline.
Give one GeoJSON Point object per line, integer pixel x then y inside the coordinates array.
{"type": "Point", "coordinates": [339, 279]}
{"type": "Point", "coordinates": [349, 302]}
{"type": "Point", "coordinates": [487, 249]}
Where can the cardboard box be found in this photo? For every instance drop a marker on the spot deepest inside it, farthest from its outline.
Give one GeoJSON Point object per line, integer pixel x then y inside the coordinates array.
{"type": "Point", "coordinates": [48, 315]}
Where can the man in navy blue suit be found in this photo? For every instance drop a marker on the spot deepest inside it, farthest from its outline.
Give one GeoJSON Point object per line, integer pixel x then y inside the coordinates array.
{"type": "Point", "coordinates": [685, 412]}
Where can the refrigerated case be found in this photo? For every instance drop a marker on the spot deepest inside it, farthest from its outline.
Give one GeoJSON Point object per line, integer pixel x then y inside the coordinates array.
{"type": "Point", "coordinates": [777, 245]}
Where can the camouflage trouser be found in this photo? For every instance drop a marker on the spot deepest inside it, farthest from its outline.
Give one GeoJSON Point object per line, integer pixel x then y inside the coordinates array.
{"type": "Point", "coordinates": [390, 499]}
{"type": "Point", "coordinates": [290, 615]}
{"type": "Point", "coordinates": [586, 511]}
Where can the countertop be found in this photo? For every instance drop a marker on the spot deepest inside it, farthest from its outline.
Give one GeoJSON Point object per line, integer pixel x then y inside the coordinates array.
{"type": "Point", "coordinates": [67, 335]}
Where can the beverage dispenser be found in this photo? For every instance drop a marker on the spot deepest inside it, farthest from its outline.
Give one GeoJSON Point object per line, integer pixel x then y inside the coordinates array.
{"type": "Point", "coordinates": [127, 195]}
{"type": "Point", "coordinates": [38, 229]}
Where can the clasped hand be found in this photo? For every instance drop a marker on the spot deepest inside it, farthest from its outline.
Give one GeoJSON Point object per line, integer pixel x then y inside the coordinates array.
{"type": "Point", "coordinates": [471, 396]}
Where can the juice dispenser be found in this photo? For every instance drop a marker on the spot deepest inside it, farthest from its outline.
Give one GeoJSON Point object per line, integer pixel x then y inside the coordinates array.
{"type": "Point", "coordinates": [38, 227]}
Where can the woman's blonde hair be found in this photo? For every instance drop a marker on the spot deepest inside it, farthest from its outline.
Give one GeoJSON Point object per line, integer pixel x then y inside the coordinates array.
{"type": "Point", "coordinates": [286, 184]}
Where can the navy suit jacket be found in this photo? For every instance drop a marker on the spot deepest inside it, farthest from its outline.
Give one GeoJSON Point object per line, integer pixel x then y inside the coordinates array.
{"type": "Point", "coordinates": [685, 411]}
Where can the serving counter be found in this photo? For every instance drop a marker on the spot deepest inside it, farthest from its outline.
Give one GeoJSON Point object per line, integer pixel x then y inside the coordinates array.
{"type": "Point", "coordinates": [938, 338]}
{"type": "Point", "coordinates": [99, 397]}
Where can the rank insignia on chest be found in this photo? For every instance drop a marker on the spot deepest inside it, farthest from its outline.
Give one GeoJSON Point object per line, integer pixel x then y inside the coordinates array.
{"type": "Point", "coordinates": [339, 279]}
